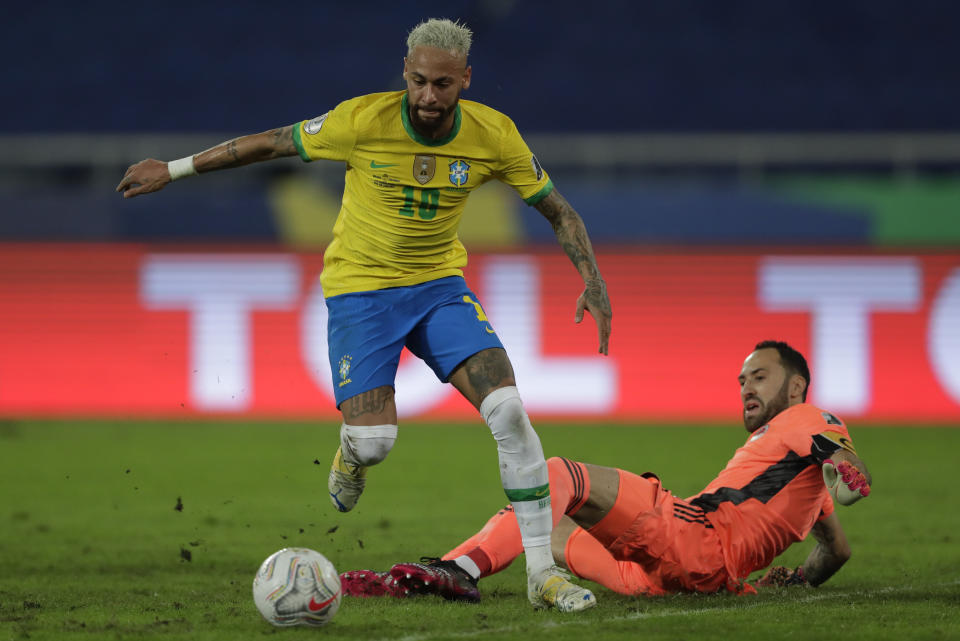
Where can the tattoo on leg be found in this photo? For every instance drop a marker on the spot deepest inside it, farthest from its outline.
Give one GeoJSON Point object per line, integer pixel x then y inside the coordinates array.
{"type": "Point", "coordinates": [371, 402]}
{"type": "Point", "coordinates": [488, 369]}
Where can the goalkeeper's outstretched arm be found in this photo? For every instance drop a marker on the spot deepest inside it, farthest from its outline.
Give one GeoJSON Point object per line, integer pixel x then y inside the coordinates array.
{"type": "Point", "coordinates": [152, 175]}
{"type": "Point", "coordinates": [830, 553]}
{"type": "Point", "coordinates": [828, 556]}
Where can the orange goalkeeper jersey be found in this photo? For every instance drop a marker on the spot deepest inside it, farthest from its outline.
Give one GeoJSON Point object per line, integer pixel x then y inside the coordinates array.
{"type": "Point", "coordinates": [771, 493]}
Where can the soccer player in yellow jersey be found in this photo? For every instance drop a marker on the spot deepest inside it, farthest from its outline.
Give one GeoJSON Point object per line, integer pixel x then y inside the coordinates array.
{"type": "Point", "coordinates": [392, 274]}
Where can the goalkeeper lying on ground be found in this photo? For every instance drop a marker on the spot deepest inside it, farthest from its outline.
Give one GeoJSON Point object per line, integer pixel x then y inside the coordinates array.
{"type": "Point", "coordinates": [632, 536]}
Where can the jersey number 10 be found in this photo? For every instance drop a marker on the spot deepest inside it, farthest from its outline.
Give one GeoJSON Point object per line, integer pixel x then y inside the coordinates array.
{"type": "Point", "coordinates": [426, 209]}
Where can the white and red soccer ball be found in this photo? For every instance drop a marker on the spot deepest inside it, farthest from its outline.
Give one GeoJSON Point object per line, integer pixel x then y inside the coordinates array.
{"type": "Point", "coordinates": [297, 586]}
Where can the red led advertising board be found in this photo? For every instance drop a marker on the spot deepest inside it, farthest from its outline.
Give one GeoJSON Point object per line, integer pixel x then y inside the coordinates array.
{"type": "Point", "coordinates": [148, 331]}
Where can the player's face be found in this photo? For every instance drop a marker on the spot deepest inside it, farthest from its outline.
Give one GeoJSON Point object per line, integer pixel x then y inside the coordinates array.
{"type": "Point", "coordinates": [435, 78]}
{"type": "Point", "coordinates": [765, 388]}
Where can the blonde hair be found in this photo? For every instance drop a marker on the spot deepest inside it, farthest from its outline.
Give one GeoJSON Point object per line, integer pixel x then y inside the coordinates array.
{"type": "Point", "coordinates": [441, 34]}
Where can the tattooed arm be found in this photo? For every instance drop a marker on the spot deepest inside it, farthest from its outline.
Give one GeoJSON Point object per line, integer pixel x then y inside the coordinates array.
{"type": "Point", "coordinates": [572, 236]}
{"type": "Point", "coordinates": [152, 175]}
{"type": "Point", "coordinates": [830, 553]}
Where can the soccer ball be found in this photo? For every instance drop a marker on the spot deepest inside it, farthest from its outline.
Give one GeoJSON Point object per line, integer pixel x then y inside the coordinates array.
{"type": "Point", "coordinates": [297, 586]}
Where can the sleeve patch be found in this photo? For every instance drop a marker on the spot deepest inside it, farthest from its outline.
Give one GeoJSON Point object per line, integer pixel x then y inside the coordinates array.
{"type": "Point", "coordinates": [830, 418]}
{"type": "Point", "coordinates": [826, 443]}
{"type": "Point", "coordinates": [536, 167]}
{"type": "Point", "coordinates": [312, 127]}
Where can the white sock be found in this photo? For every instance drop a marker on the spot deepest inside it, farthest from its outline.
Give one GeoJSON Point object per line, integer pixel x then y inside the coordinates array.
{"type": "Point", "coordinates": [523, 473]}
{"type": "Point", "coordinates": [467, 565]}
{"type": "Point", "coordinates": [538, 558]}
{"type": "Point", "coordinates": [366, 445]}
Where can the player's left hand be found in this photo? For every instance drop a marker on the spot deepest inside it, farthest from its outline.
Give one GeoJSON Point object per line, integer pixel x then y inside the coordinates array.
{"type": "Point", "coordinates": [779, 576]}
{"type": "Point", "coordinates": [594, 299]}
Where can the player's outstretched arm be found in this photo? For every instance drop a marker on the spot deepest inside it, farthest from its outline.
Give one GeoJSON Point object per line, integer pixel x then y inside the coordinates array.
{"type": "Point", "coordinates": [152, 175]}
{"type": "Point", "coordinates": [830, 553]}
{"type": "Point", "coordinates": [572, 236]}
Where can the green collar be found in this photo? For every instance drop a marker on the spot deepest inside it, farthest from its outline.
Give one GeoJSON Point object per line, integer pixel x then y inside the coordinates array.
{"type": "Point", "coordinates": [405, 115]}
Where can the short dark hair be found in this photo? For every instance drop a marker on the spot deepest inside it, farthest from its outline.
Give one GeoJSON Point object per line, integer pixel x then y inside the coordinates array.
{"type": "Point", "coordinates": [792, 360]}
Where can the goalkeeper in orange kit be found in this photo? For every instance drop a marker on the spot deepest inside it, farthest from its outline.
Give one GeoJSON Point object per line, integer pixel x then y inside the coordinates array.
{"type": "Point", "coordinates": [628, 533]}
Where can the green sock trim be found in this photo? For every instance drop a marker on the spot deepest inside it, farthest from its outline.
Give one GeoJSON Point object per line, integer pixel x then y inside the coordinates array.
{"type": "Point", "coordinates": [528, 494]}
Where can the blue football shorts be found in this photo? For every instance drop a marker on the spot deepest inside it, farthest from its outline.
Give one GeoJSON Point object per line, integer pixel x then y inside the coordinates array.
{"type": "Point", "coordinates": [440, 322]}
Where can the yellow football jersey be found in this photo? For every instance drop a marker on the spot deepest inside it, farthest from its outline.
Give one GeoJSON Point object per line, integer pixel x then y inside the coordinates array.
{"type": "Point", "coordinates": [404, 194]}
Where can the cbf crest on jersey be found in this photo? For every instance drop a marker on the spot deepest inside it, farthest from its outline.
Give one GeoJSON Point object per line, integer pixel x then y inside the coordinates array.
{"type": "Point", "coordinates": [459, 173]}
{"type": "Point", "coordinates": [424, 167]}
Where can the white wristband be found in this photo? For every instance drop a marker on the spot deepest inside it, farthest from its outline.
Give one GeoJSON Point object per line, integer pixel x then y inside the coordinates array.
{"type": "Point", "coordinates": [181, 168]}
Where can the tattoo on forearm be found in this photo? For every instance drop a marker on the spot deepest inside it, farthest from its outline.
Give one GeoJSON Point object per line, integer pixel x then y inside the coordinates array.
{"type": "Point", "coordinates": [822, 563]}
{"type": "Point", "coordinates": [234, 153]}
{"type": "Point", "coordinates": [226, 155]}
{"type": "Point", "coordinates": [283, 141]}
{"type": "Point", "coordinates": [596, 292]}
{"type": "Point", "coordinates": [371, 402]}
{"type": "Point", "coordinates": [576, 252]}
{"type": "Point", "coordinates": [570, 232]}
{"type": "Point", "coordinates": [572, 236]}
{"type": "Point", "coordinates": [487, 370]}
{"type": "Point", "coordinates": [817, 567]}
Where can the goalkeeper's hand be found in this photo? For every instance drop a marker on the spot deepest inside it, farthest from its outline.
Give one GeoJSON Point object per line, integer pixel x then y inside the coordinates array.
{"type": "Point", "coordinates": [781, 577]}
{"type": "Point", "coordinates": [845, 482]}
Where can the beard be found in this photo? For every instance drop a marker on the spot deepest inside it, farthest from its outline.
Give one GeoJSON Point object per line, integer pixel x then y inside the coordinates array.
{"type": "Point", "coordinates": [776, 405]}
{"type": "Point", "coordinates": [431, 126]}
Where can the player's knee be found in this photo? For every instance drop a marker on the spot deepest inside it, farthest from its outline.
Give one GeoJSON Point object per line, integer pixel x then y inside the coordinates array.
{"type": "Point", "coordinates": [503, 412]}
{"type": "Point", "coordinates": [367, 444]}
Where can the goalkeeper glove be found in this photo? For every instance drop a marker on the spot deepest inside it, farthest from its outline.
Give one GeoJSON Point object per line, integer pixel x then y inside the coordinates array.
{"type": "Point", "coordinates": [781, 577]}
{"type": "Point", "coordinates": [845, 482]}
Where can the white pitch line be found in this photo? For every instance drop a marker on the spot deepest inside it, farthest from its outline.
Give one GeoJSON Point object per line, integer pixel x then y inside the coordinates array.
{"type": "Point", "coordinates": [634, 616]}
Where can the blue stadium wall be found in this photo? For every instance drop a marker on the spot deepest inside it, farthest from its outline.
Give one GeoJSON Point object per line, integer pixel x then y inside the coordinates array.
{"type": "Point", "coordinates": [685, 65]}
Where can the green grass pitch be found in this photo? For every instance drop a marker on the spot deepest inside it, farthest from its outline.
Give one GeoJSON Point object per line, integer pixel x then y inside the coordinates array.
{"type": "Point", "coordinates": [93, 547]}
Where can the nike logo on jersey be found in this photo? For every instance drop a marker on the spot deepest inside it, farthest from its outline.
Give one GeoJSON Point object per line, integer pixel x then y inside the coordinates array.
{"type": "Point", "coordinates": [375, 165]}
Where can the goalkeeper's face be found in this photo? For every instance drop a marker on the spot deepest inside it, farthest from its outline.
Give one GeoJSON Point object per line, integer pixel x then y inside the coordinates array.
{"type": "Point", "coordinates": [435, 78]}
{"type": "Point", "coordinates": [766, 389]}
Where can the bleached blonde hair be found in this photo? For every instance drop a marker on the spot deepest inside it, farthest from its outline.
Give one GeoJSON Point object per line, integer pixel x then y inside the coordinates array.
{"type": "Point", "coordinates": [441, 33]}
